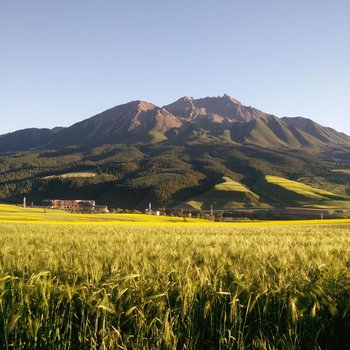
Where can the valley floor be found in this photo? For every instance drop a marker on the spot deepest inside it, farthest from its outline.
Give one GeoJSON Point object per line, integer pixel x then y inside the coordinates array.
{"type": "Point", "coordinates": [17, 214]}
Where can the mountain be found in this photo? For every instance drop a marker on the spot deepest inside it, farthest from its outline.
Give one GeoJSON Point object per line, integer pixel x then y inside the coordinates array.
{"type": "Point", "coordinates": [204, 120]}
{"type": "Point", "coordinates": [190, 153]}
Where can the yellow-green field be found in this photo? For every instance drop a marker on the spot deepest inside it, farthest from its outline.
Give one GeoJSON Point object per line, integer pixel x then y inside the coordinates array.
{"type": "Point", "coordinates": [11, 213]}
{"type": "Point", "coordinates": [17, 214]}
{"type": "Point", "coordinates": [141, 282]}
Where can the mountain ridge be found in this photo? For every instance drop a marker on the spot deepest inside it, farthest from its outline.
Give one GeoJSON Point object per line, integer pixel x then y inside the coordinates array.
{"type": "Point", "coordinates": [211, 119]}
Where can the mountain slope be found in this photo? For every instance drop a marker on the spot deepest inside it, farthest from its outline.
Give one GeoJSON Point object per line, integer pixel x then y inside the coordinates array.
{"type": "Point", "coordinates": [273, 132]}
{"type": "Point", "coordinates": [319, 132]}
{"type": "Point", "coordinates": [136, 121]}
{"type": "Point", "coordinates": [27, 139]}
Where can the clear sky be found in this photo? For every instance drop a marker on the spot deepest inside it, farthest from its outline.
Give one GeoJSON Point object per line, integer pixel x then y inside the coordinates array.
{"type": "Point", "coordinates": [62, 61]}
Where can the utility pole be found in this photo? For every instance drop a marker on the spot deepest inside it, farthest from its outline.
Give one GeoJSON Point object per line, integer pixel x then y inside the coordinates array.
{"type": "Point", "coordinates": [24, 202]}
{"type": "Point", "coordinates": [211, 212]}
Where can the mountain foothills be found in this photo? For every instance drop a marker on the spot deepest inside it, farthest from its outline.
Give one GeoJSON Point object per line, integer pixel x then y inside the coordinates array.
{"type": "Point", "coordinates": [192, 153]}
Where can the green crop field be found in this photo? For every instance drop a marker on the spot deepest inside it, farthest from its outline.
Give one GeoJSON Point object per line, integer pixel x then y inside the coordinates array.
{"type": "Point", "coordinates": [128, 283]}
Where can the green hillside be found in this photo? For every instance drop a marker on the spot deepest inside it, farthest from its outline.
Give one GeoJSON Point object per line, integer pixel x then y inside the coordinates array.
{"type": "Point", "coordinates": [266, 191]}
{"type": "Point", "coordinates": [281, 191]}
{"type": "Point", "coordinates": [227, 194]}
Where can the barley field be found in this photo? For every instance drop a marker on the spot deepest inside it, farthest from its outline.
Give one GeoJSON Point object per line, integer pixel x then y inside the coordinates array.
{"type": "Point", "coordinates": [174, 286]}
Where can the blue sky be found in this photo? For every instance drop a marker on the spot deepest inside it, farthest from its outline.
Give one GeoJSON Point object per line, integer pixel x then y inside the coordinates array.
{"type": "Point", "coordinates": [65, 60]}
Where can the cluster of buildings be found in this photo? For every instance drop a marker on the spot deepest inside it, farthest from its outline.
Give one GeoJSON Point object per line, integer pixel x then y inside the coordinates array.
{"type": "Point", "coordinates": [78, 205]}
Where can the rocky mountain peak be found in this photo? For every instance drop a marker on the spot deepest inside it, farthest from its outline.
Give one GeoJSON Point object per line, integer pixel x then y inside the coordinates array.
{"type": "Point", "coordinates": [231, 99]}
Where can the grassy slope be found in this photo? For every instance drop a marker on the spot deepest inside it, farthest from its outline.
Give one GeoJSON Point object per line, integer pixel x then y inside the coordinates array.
{"type": "Point", "coordinates": [280, 190]}
{"type": "Point", "coordinates": [227, 194]}
{"type": "Point", "coordinates": [301, 189]}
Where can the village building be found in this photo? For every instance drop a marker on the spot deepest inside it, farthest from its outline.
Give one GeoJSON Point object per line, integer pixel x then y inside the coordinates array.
{"type": "Point", "coordinates": [81, 205]}
{"type": "Point", "coordinates": [150, 211]}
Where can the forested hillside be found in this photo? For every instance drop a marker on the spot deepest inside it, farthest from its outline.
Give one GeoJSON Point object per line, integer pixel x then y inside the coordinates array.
{"type": "Point", "coordinates": [131, 176]}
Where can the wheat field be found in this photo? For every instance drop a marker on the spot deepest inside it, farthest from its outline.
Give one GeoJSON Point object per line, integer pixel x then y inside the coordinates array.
{"type": "Point", "coordinates": [174, 286]}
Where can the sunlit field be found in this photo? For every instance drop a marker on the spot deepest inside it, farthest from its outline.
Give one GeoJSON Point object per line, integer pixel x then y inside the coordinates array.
{"type": "Point", "coordinates": [173, 285]}
{"type": "Point", "coordinates": [11, 213]}
{"type": "Point", "coordinates": [73, 174]}
{"type": "Point", "coordinates": [17, 214]}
